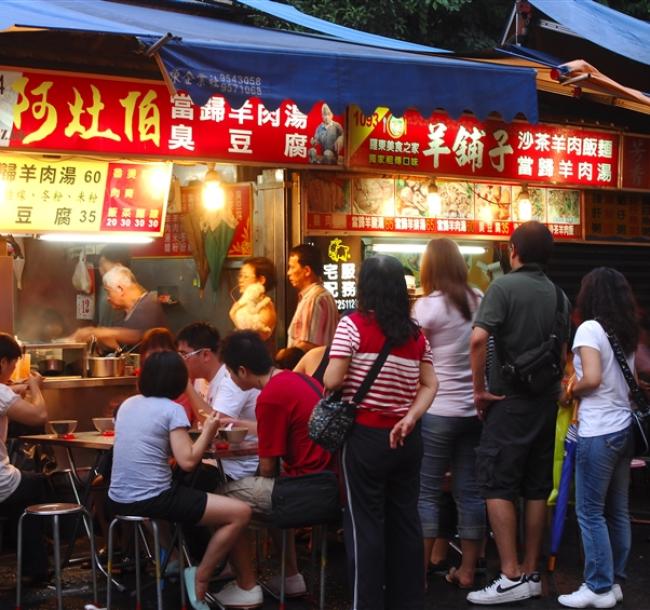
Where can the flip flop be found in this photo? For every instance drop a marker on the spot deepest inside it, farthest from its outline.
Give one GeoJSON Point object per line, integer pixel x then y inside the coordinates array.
{"type": "Point", "coordinates": [452, 578]}
{"type": "Point", "coordinates": [190, 587]}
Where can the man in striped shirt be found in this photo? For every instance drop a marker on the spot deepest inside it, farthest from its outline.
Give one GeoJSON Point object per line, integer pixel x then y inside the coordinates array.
{"type": "Point", "coordinates": [316, 315]}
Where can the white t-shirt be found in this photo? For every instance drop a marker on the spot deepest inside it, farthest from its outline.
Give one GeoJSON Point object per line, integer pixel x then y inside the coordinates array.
{"type": "Point", "coordinates": [9, 474]}
{"type": "Point", "coordinates": [607, 408]}
{"type": "Point", "coordinates": [142, 449]}
{"type": "Point", "coordinates": [448, 334]}
{"type": "Point", "coordinates": [224, 396]}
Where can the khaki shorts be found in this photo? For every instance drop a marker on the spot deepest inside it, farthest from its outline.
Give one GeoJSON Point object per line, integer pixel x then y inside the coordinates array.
{"type": "Point", "coordinates": [255, 491]}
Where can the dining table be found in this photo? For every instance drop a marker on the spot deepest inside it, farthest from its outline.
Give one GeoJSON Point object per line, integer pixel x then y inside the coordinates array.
{"type": "Point", "coordinates": [101, 443]}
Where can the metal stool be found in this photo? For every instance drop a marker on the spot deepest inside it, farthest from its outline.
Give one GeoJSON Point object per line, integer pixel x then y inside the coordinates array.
{"type": "Point", "coordinates": [138, 522]}
{"type": "Point", "coordinates": [55, 510]}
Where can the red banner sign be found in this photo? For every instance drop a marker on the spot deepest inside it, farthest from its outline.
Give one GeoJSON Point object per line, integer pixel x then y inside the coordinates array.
{"type": "Point", "coordinates": [53, 111]}
{"type": "Point", "coordinates": [516, 151]}
{"type": "Point", "coordinates": [636, 162]}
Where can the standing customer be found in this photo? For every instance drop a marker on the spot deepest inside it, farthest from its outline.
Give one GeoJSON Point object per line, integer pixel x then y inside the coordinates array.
{"type": "Point", "coordinates": [21, 489]}
{"type": "Point", "coordinates": [515, 454]}
{"type": "Point", "coordinates": [382, 455]}
{"type": "Point", "coordinates": [316, 315]}
{"type": "Point", "coordinates": [604, 447]}
{"type": "Point", "coordinates": [450, 428]}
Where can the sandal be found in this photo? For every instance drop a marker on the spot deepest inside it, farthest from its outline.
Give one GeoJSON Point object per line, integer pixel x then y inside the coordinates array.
{"type": "Point", "coordinates": [452, 578]}
{"type": "Point", "coordinates": [190, 587]}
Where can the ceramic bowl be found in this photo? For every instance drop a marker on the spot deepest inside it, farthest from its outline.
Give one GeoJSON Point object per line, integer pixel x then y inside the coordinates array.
{"type": "Point", "coordinates": [61, 427]}
{"type": "Point", "coordinates": [103, 424]}
{"type": "Point", "coordinates": [234, 435]}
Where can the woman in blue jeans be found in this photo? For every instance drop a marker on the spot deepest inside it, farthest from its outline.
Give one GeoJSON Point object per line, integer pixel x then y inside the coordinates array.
{"type": "Point", "coordinates": [604, 447]}
{"type": "Point", "coordinates": [450, 429]}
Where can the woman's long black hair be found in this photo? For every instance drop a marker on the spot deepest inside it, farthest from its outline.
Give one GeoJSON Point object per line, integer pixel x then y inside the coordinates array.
{"type": "Point", "coordinates": [382, 292]}
{"type": "Point", "coordinates": [606, 296]}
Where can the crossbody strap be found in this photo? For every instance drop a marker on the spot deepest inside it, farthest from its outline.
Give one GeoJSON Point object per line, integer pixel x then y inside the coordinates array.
{"type": "Point", "coordinates": [635, 390]}
{"type": "Point", "coordinates": [372, 373]}
{"type": "Point", "coordinates": [308, 380]}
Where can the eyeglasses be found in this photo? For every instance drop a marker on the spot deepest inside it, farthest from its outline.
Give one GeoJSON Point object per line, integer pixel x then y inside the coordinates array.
{"type": "Point", "coordinates": [188, 355]}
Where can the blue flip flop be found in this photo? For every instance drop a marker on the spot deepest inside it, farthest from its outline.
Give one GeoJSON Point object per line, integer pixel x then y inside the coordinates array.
{"type": "Point", "coordinates": [190, 587]}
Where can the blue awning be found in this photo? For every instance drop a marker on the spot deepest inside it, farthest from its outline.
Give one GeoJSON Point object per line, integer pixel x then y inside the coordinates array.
{"type": "Point", "coordinates": [602, 26]}
{"type": "Point", "coordinates": [212, 56]}
{"type": "Point", "coordinates": [291, 14]}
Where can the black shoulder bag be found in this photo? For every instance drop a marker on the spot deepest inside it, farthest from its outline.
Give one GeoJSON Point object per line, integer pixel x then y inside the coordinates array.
{"type": "Point", "coordinates": [537, 369]}
{"type": "Point", "coordinates": [640, 415]}
{"type": "Point", "coordinates": [333, 418]}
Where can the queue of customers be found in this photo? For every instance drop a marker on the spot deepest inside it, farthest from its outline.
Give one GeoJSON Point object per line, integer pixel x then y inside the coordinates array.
{"type": "Point", "coordinates": [443, 401]}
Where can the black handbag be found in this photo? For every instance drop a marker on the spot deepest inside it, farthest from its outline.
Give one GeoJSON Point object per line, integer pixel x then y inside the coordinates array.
{"type": "Point", "coordinates": [332, 418]}
{"type": "Point", "coordinates": [303, 501]}
{"type": "Point", "coordinates": [640, 415]}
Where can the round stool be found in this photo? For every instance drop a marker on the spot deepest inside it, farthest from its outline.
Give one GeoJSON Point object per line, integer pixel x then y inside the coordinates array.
{"type": "Point", "coordinates": [137, 525]}
{"type": "Point", "coordinates": [54, 510]}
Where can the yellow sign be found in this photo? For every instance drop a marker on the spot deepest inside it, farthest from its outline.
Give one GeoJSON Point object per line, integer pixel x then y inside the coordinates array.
{"type": "Point", "coordinates": [81, 196]}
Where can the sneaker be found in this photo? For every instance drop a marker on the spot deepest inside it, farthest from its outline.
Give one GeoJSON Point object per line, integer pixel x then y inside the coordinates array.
{"type": "Point", "coordinates": [233, 596]}
{"type": "Point", "coordinates": [618, 592]}
{"type": "Point", "coordinates": [501, 590]}
{"type": "Point", "coordinates": [534, 584]}
{"type": "Point", "coordinates": [294, 586]}
{"type": "Point", "coordinates": [584, 597]}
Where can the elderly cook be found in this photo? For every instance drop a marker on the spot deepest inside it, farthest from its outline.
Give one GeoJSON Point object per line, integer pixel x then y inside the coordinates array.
{"type": "Point", "coordinates": [141, 307]}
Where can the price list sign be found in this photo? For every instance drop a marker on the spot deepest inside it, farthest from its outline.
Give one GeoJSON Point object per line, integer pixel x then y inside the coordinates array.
{"type": "Point", "coordinates": [82, 196]}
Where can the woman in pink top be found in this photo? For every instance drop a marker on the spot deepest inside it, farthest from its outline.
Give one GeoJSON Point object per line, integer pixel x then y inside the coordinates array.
{"type": "Point", "coordinates": [381, 456]}
{"type": "Point", "coordinates": [450, 428]}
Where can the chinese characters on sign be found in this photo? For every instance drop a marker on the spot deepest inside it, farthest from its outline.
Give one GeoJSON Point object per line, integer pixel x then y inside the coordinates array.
{"type": "Point", "coordinates": [76, 195]}
{"type": "Point", "coordinates": [617, 216]}
{"type": "Point", "coordinates": [468, 147]}
{"type": "Point", "coordinates": [99, 114]}
{"type": "Point", "coordinates": [636, 162]}
{"type": "Point", "coordinates": [400, 205]}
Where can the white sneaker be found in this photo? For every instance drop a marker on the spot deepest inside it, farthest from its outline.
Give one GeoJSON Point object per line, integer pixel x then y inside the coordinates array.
{"type": "Point", "coordinates": [233, 596]}
{"type": "Point", "coordinates": [502, 590]}
{"type": "Point", "coordinates": [294, 586]}
{"type": "Point", "coordinates": [534, 584]}
{"type": "Point", "coordinates": [618, 593]}
{"type": "Point", "coordinates": [584, 597]}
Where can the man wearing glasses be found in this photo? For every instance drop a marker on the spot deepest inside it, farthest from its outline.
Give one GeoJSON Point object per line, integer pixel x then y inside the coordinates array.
{"type": "Point", "coordinates": [198, 344]}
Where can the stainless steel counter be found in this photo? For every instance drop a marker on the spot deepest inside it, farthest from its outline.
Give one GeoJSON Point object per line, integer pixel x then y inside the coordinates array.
{"type": "Point", "coordinates": [66, 383]}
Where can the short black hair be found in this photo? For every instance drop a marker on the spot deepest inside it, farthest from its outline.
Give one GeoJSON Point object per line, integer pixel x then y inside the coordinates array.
{"type": "Point", "coordinates": [246, 348]}
{"type": "Point", "coordinates": [116, 254]}
{"type": "Point", "coordinates": [265, 268]}
{"type": "Point", "coordinates": [200, 335]}
{"type": "Point", "coordinates": [9, 347]}
{"type": "Point", "coordinates": [288, 357]}
{"type": "Point", "coordinates": [163, 375]}
{"type": "Point", "coordinates": [309, 256]}
{"type": "Point", "coordinates": [533, 242]}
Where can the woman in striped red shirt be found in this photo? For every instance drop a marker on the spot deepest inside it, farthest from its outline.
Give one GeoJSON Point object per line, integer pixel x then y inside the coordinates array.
{"type": "Point", "coordinates": [381, 457]}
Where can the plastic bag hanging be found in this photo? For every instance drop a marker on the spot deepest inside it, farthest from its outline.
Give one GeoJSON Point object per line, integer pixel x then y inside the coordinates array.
{"type": "Point", "coordinates": [80, 278]}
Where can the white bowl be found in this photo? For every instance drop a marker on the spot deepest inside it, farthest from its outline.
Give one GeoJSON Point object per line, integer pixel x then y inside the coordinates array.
{"type": "Point", "coordinates": [233, 435]}
{"type": "Point", "coordinates": [61, 427]}
{"type": "Point", "coordinates": [103, 424]}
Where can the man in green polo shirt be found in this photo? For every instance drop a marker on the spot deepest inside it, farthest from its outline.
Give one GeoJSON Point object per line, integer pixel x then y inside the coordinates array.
{"type": "Point", "coordinates": [515, 454]}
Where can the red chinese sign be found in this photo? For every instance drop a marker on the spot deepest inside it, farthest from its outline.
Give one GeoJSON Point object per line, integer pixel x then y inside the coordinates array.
{"type": "Point", "coordinates": [636, 162]}
{"type": "Point", "coordinates": [468, 147]}
{"type": "Point", "coordinates": [54, 111]}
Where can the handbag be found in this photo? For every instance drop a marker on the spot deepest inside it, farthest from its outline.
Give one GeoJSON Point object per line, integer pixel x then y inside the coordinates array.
{"type": "Point", "coordinates": [536, 370]}
{"type": "Point", "coordinates": [332, 418]}
{"type": "Point", "coordinates": [306, 500]}
{"type": "Point", "coordinates": [640, 415]}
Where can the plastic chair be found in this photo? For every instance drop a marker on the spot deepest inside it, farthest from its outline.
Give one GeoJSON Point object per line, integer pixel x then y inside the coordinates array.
{"type": "Point", "coordinates": [54, 510]}
{"type": "Point", "coordinates": [138, 522]}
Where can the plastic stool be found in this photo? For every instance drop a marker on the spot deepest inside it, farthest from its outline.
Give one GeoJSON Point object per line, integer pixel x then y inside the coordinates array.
{"type": "Point", "coordinates": [137, 525]}
{"type": "Point", "coordinates": [54, 510]}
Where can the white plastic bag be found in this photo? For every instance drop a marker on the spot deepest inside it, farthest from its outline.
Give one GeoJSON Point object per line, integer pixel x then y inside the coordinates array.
{"type": "Point", "coordinates": [80, 278]}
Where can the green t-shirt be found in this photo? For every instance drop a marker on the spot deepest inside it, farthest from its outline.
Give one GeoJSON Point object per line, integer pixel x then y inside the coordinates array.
{"type": "Point", "coordinates": [518, 310]}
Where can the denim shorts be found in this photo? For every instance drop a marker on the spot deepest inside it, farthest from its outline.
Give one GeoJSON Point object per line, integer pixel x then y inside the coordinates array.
{"type": "Point", "coordinates": [515, 454]}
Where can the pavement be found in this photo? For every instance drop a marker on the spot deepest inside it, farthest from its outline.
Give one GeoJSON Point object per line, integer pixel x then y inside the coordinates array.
{"type": "Point", "coordinates": [440, 595]}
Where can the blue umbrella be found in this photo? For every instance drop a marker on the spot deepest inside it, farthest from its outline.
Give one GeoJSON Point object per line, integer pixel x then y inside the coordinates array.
{"type": "Point", "coordinates": [559, 516]}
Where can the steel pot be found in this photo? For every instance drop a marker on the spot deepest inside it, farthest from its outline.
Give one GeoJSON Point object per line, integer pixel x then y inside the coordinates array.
{"type": "Point", "coordinates": [106, 366]}
{"type": "Point", "coordinates": [51, 366]}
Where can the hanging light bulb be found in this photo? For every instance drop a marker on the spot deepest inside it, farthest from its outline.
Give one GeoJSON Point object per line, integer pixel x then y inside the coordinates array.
{"type": "Point", "coordinates": [214, 197]}
{"type": "Point", "coordinates": [433, 200]}
{"type": "Point", "coordinates": [524, 206]}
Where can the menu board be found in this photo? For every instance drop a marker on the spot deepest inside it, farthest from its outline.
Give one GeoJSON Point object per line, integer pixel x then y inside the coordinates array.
{"type": "Point", "coordinates": [619, 217]}
{"type": "Point", "coordinates": [636, 162]}
{"type": "Point", "coordinates": [72, 195]}
{"type": "Point", "coordinates": [467, 147]}
{"type": "Point", "coordinates": [371, 204]}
